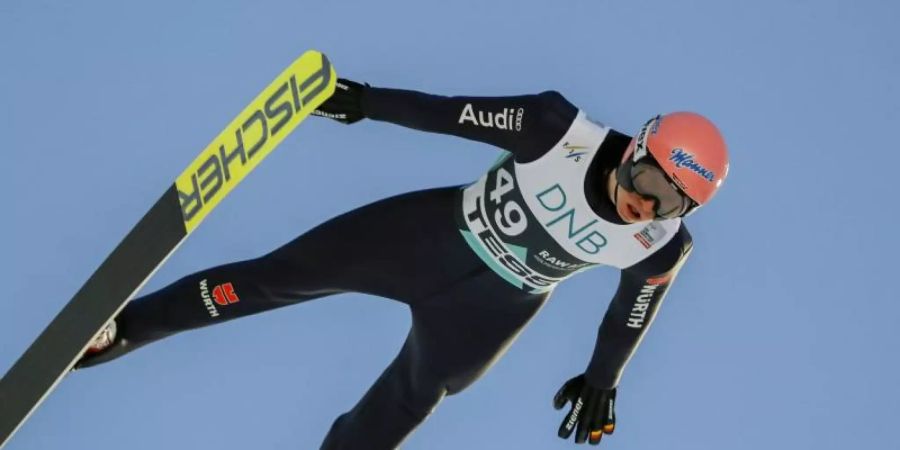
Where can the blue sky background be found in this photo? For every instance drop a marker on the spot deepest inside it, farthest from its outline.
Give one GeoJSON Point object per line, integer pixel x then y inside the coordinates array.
{"type": "Point", "coordinates": [779, 333]}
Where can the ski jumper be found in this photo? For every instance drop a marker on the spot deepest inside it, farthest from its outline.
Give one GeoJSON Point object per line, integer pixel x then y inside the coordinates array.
{"type": "Point", "coordinates": [474, 263]}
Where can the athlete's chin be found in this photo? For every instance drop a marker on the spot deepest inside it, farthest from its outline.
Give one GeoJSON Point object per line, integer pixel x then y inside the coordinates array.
{"type": "Point", "coordinates": [631, 221]}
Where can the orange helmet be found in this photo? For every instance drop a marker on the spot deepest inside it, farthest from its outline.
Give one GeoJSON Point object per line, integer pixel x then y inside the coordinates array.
{"type": "Point", "coordinates": [689, 152]}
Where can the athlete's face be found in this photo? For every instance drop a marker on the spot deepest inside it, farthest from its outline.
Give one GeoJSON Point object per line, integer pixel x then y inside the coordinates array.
{"type": "Point", "coordinates": [631, 206]}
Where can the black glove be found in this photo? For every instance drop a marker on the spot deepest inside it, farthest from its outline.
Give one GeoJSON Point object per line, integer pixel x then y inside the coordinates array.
{"type": "Point", "coordinates": [593, 410]}
{"type": "Point", "coordinates": [345, 105]}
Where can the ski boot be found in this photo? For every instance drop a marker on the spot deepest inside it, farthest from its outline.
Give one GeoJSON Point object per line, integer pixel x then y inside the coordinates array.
{"type": "Point", "coordinates": [103, 339]}
{"type": "Point", "coordinates": [106, 345]}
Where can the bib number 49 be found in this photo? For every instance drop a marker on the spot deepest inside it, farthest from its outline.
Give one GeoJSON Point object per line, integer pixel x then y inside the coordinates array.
{"type": "Point", "coordinates": [509, 216]}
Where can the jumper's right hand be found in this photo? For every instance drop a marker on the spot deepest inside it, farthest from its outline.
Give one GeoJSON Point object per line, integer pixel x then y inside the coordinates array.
{"type": "Point", "coordinates": [345, 105]}
{"type": "Point", "coordinates": [593, 410]}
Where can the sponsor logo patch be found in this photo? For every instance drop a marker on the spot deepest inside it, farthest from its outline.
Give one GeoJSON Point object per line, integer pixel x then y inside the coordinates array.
{"type": "Point", "coordinates": [248, 139]}
{"type": "Point", "coordinates": [650, 235]}
{"type": "Point", "coordinates": [222, 295]}
{"type": "Point", "coordinates": [548, 260]}
{"type": "Point", "coordinates": [575, 152]}
{"type": "Point", "coordinates": [685, 160]}
{"type": "Point", "coordinates": [641, 304]}
{"type": "Point", "coordinates": [509, 119]}
{"type": "Point", "coordinates": [576, 411]}
{"type": "Point", "coordinates": [207, 299]}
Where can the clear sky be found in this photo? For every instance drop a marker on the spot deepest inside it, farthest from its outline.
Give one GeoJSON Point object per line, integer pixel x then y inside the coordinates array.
{"type": "Point", "coordinates": [780, 331]}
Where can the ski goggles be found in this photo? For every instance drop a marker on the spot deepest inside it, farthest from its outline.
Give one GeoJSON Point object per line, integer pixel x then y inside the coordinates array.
{"type": "Point", "coordinates": [642, 175]}
{"type": "Point", "coordinates": [649, 181]}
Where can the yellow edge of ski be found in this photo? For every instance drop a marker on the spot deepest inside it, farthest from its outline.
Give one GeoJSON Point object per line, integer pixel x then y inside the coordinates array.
{"type": "Point", "coordinates": [253, 134]}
